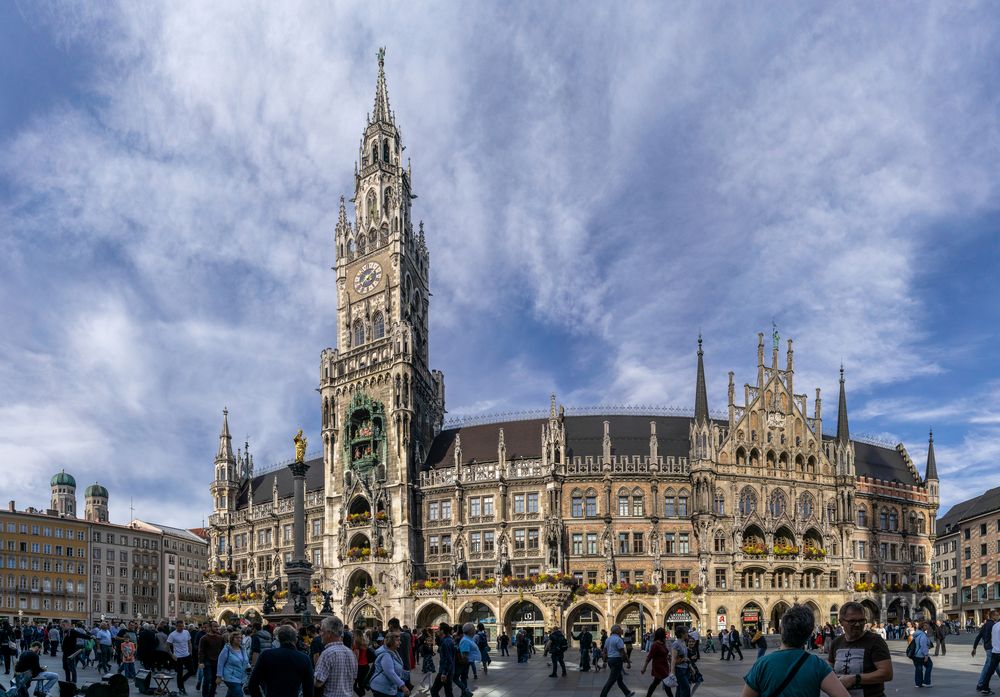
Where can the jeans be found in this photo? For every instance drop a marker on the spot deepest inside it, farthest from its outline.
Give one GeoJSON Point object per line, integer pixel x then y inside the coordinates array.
{"type": "Point", "coordinates": [46, 680]}
{"type": "Point", "coordinates": [941, 646]}
{"type": "Point", "coordinates": [734, 647]}
{"type": "Point", "coordinates": [922, 671]}
{"type": "Point", "coordinates": [615, 677]}
{"type": "Point", "coordinates": [584, 660]}
{"type": "Point", "coordinates": [461, 678]}
{"type": "Point", "coordinates": [985, 672]}
{"type": "Point", "coordinates": [683, 680]}
{"type": "Point", "coordinates": [761, 650]}
{"type": "Point", "coordinates": [69, 668]}
{"type": "Point", "coordinates": [127, 669]}
{"type": "Point", "coordinates": [558, 659]}
{"type": "Point", "coordinates": [235, 689]}
{"type": "Point", "coordinates": [208, 679]}
{"type": "Point", "coordinates": [993, 667]}
{"type": "Point", "coordinates": [103, 658]}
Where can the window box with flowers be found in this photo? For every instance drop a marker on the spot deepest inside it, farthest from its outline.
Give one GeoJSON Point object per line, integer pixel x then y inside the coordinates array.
{"type": "Point", "coordinates": [518, 582]}
{"type": "Point", "coordinates": [359, 553]}
{"type": "Point", "coordinates": [480, 583]}
{"type": "Point", "coordinates": [357, 519]}
{"type": "Point", "coordinates": [381, 516]}
{"type": "Point", "coordinates": [634, 589]}
{"type": "Point", "coordinates": [810, 552]}
{"type": "Point", "coordinates": [428, 585]}
{"type": "Point", "coordinates": [380, 553]}
{"type": "Point", "coordinates": [596, 588]}
{"type": "Point", "coordinates": [753, 549]}
{"type": "Point", "coordinates": [785, 550]}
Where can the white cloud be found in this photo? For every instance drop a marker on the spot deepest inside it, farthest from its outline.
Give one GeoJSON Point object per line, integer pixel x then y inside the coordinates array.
{"type": "Point", "coordinates": [598, 187]}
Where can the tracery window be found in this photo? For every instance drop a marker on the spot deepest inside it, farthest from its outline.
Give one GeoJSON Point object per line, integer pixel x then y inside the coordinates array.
{"type": "Point", "coordinates": [806, 506]}
{"type": "Point", "coordinates": [378, 326]}
{"type": "Point", "coordinates": [720, 503]}
{"type": "Point", "coordinates": [748, 501]}
{"type": "Point", "coordinates": [359, 332]}
{"type": "Point", "coordinates": [638, 503]}
{"type": "Point", "coordinates": [778, 504]}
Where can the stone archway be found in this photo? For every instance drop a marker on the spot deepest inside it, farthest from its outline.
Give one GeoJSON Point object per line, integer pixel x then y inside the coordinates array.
{"type": "Point", "coordinates": [774, 618]}
{"type": "Point", "coordinates": [479, 613]}
{"type": "Point", "coordinates": [872, 612]}
{"type": "Point", "coordinates": [751, 616]}
{"type": "Point", "coordinates": [525, 615]}
{"type": "Point", "coordinates": [366, 614]}
{"type": "Point", "coordinates": [584, 616]}
{"type": "Point", "coordinates": [929, 610]}
{"type": "Point", "coordinates": [431, 615]}
{"type": "Point", "coordinates": [635, 616]}
{"type": "Point", "coordinates": [680, 615]}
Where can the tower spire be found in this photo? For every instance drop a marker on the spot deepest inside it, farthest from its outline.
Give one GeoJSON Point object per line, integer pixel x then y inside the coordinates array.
{"type": "Point", "coordinates": [843, 432]}
{"type": "Point", "coordinates": [225, 440]}
{"type": "Point", "coordinates": [700, 391]}
{"type": "Point", "coordinates": [931, 462]}
{"type": "Point", "coordinates": [381, 112]}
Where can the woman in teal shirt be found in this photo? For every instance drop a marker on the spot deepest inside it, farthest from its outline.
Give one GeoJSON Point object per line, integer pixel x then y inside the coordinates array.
{"type": "Point", "coordinates": [791, 671]}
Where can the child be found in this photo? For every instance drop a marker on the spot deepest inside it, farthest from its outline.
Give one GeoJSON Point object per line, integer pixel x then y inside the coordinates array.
{"type": "Point", "coordinates": [127, 667]}
{"type": "Point", "coordinates": [427, 661]}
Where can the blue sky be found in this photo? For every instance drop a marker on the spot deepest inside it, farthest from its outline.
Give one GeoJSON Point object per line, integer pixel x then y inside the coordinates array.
{"type": "Point", "coordinates": [598, 185]}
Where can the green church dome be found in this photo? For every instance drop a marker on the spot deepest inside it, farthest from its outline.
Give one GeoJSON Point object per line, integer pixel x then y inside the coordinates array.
{"type": "Point", "coordinates": [96, 489]}
{"type": "Point", "coordinates": [63, 479]}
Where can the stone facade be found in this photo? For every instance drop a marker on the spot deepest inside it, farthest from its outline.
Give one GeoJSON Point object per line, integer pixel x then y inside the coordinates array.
{"type": "Point", "coordinates": [567, 519]}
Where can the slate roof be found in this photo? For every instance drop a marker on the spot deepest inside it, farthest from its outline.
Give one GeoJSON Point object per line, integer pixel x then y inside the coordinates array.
{"type": "Point", "coordinates": [629, 436]}
{"type": "Point", "coordinates": [972, 508]}
{"type": "Point", "coordinates": [263, 484]}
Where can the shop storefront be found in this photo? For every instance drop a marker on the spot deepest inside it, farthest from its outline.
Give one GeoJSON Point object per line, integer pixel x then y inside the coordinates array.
{"type": "Point", "coordinates": [750, 618]}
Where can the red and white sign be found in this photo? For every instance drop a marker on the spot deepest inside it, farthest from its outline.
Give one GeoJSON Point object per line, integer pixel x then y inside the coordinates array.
{"type": "Point", "coordinates": [721, 621]}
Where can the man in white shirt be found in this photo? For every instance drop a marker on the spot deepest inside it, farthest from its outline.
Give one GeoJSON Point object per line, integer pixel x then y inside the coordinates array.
{"type": "Point", "coordinates": [994, 658]}
{"type": "Point", "coordinates": [179, 642]}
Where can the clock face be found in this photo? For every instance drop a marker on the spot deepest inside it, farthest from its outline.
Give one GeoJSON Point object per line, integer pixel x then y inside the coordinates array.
{"type": "Point", "coordinates": [368, 277]}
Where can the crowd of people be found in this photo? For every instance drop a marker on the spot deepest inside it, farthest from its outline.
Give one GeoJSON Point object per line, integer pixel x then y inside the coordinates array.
{"type": "Point", "coordinates": [848, 658]}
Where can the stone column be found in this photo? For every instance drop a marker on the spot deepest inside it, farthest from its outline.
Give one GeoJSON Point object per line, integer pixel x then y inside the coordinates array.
{"type": "Point", "coordinates": [299, 569]}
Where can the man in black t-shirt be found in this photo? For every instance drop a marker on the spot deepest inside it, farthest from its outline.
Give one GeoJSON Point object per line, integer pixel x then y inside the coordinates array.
{"type": "Point", "coordinates": [859, 657]}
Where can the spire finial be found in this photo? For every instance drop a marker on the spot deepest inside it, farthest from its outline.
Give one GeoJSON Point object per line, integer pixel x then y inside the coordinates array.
{"type": "Point", "coordinates": [381, 56]}
{"type": "Point", "coordinates": [775, 337]}
{"type": "Point", "coordinates": [843, 432]}
{"type": "Point", "coordinates": [382, 112]}
{"type": "Point", "coordinates": [700, 390]}
{"type": "Point", "coordinates": [931, 472]}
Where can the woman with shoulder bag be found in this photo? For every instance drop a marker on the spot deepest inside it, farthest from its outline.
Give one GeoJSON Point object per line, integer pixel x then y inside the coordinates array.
{"type": "Point", "coordinates": [659, 656]}
{"type": "Point", "coordinates": [388, 677]}
{"type": "Point", "coordinates": [232, 665]}
{"type": "Point", "coordinates": [792, 671]}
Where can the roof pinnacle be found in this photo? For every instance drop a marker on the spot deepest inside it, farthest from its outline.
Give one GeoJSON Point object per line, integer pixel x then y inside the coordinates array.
{"type": "Point", "coordinates": [700, 390]}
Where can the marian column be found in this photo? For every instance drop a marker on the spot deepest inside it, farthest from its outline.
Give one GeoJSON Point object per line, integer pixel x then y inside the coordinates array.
{"type": "Point", "coordinates": [299, 570]}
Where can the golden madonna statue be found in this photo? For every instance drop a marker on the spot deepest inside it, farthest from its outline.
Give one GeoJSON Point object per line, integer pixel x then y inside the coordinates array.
{"type": "Point", "coordinates": [300, 446]}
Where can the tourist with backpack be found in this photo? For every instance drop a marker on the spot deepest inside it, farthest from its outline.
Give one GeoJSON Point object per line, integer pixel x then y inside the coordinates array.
{"type": "Point", "coordinates": [261, 640]}
{"type": "Point", "coordinates": [557, 649]}
{"type": "Point", "coordinates": [918, 651]}
{"type": "Point", "coordinates": [232, 665]}
{"type": "Point", "coordinates": [483, 644]}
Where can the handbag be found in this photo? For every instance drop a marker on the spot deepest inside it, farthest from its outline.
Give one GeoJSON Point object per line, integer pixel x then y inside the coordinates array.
{"type": "Point", "coordinates": [670, 680]}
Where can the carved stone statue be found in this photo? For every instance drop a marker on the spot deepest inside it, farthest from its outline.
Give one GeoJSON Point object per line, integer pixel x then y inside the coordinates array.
{"type": "Point", "coordinates": [301, 599]}
{"type": "Point", "coordinates": [703, 572]}
{"type": "Point", "coordinates": [609, 570]}
{"type": "Point", "coordinates": [553, 541]}
{"type": "Point", "coordinates": [300, 446]}
{"type": "Point", "coordinates": [269, 591]}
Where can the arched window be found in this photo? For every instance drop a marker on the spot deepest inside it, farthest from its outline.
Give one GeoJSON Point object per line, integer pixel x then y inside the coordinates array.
{"type": "Point", "coordinates": [777, 504]}
{"type": "Point", "coordinates": [576, 498]}
{"type": "Point", "coordinates": [720, 503]}
{"type": "Point", "coordinates": [386, 198]}
{"type": "Point", "coordinates": [748, 501]}
{"type": "Point", "coordinates": [378, 326]}
{"type": "Point", "coordinates": [831, 512]}
{"type": "Point", "coordinates": [893, 520]}
{"type": "Point", "coordinates": [806, 506]}
{"type": "Point", "coordinates": [883, 519]}
{"type": "Point", "coordinates": [862, 517]}
{"type": "Point", "coordinates": [624, 503]}
{"type": "Point", "coordinates": [350, 250]}
{"type": "Point", "coordinates": [383, 237]}
{"type": "Point", "coordinates": [385, 150]}
{"type": "Point", "coordinates": [669, 504]}
{"type": "Point", "coordinates": [682, 503]}
{"type": "Point", "coordinates": [359, 332]}
{"type": "Point", "coordinates": [638, 503]}
{"type": "Point", "coordinates": [361, 244]}
{"type": "Point", "coordinates": [372, 239]}
{"type": "Point", "coordinates": [372, 205]}
{"type": "Point", "coordinates": [374, 153]}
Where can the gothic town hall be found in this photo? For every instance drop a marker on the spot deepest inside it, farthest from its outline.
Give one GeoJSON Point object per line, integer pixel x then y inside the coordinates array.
{"type": "Point", "coordinates": [569, 519]}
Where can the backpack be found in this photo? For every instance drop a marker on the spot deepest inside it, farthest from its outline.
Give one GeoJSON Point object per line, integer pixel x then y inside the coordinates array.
{"type": "Point", "coordinates": [560, 644]}
{"type": "Point", "coordinates": [911, 650]}
{"type": "Point", "coordinates": [264, 640]}
{"type": "Point", "coordinates": [481, 642]}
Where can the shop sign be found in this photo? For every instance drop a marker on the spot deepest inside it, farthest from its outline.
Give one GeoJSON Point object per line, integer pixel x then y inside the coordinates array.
{"type": "Point", "coordinates": [751, 616]}
{"type": "Point", "coordinates": [679, 616]}
{"type": "Point", "coordinates": [721, 621]}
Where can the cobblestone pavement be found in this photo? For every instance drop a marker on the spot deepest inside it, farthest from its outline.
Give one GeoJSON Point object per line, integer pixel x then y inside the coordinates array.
{"type": "Point", "coordinates": [953, 674]}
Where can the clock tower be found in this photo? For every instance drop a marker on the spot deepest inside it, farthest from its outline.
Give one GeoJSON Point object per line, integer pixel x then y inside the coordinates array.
{"type": "Point", "coordinates": [381, 404]}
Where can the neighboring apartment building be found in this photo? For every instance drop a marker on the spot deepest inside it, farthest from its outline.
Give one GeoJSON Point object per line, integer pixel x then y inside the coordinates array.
{"type": "Point", "coordinates": [968, 557]}
{"type": "Point", "coordinates": [184, 562]}
{"type": "Point", "coordinates": [125, 572]}
{"type": "Point", "coordinates": [45, 562]}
